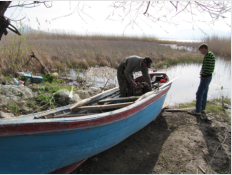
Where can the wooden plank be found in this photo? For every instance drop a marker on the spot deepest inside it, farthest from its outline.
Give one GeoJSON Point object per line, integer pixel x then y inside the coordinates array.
{"type": "Point", "coordinates": [178, 110]}
{"type": "Point", "coordinates": [98, 107]}
{"type": "Point", "coordinates": [165, 105]}
{"type": "Point", "coordinates": [85, 101]}
{"type": "Point", "coordinates": [202, 169]}
{"type": "Point", "coordinates": [120, 99]}
{"type": "Point", "coordinates": [65, 115]}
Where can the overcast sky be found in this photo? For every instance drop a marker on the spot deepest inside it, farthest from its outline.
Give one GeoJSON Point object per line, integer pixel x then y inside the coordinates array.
{"type": "Point", "coordinates": [93, 19]}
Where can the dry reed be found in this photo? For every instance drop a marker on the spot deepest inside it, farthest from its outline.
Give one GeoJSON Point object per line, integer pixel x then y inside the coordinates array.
{"type": "Point", "coordinates": [62, 51]}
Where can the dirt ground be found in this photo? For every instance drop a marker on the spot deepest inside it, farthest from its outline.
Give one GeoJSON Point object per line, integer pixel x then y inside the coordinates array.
{"type": "Point", "coordinates": [176, 142]}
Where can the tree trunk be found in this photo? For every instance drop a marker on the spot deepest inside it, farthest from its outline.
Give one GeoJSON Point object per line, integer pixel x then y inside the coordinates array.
{"type": "Point", "coordinates": [3, 6]}
{"type": "Point", "coordinates": [3, 22]}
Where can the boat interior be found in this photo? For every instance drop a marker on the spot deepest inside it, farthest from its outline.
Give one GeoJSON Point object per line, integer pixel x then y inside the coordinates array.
{"type": "Point", "coordinates": [105, 102]}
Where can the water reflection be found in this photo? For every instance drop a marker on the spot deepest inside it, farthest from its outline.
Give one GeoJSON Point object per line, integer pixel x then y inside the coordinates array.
{"type": "Point", "coordinates": [183, 89]}
{"type": "Point", "coordinates": [96, 76]}
{"type": "Point", "coordinates": [175, 46]}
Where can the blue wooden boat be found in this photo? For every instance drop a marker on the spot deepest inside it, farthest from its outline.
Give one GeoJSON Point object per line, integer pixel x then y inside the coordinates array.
{"type": "Point", "coordinates": [58, 140]}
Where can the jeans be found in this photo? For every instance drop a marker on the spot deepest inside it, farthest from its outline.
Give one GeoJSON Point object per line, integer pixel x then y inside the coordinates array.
{"type": "Point", "coordinates": [202, 92]}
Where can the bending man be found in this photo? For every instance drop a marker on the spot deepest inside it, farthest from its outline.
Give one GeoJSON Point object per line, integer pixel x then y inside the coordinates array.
{"type": "Point", "coordinates": [125, 73]}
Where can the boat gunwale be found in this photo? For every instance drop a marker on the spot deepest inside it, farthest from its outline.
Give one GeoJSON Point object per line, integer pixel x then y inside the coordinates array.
{"type": "Point", "coordinates": [77, 123]}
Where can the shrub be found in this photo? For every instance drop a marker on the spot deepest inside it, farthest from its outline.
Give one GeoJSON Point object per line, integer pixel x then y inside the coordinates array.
{"type": "Point", "coordinates": [23, 78]}
{"type": "Point", "coordinates": [48, 77]}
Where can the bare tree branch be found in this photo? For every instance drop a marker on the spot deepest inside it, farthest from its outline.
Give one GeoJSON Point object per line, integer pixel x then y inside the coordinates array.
{"type": "Point", "coordinates": [173, 5]}
{"type": "Point", "coordinates": [78, 9]}
{"type": "Point", "coordinates": [32, 5]}
{"type": "Point", "coordinates": [147, 7]}
{"type": "Point", "coordinates": [162, 12]}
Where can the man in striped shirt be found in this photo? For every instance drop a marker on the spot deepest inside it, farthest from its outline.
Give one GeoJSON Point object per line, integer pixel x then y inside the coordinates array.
{"type": "Point", "coordinates": [206, 77]}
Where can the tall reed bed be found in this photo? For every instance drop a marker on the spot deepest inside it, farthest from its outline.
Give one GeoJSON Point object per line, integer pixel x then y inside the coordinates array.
{"type": "Point", "coordinates": [62, 51]}
{"type": "Point", "coordinates": [218, 45]}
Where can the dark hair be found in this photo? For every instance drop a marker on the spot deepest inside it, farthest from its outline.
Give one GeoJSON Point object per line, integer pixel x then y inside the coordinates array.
{"type": "Point", "coordinates": [203, 46]}
{"type": "Point", "coordinates": [148, 60]}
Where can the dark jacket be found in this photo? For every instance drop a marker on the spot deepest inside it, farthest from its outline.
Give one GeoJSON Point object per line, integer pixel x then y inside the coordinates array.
{"type": "Point", "coordinates": [133, 64]}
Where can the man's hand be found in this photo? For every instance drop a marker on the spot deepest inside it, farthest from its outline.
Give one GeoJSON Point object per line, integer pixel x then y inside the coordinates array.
{"type": "Point", "coordinates": [201, 77]}
{"type": "Point", "coordinates": [149, 88]}
{"type": "Point", "coordinates": [133, 84]}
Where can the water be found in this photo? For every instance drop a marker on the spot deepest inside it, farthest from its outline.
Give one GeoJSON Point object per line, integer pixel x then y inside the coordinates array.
{"type": "Point", "coordinates": [96, 76]}
{"type": "Point", "coordinates": [174, 46]}
{"type": "Point", "coordinates": [183, 89]}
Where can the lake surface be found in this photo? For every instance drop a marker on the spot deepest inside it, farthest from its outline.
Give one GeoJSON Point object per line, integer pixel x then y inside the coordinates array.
{"type": "Point", "coordinates": [183, 89]}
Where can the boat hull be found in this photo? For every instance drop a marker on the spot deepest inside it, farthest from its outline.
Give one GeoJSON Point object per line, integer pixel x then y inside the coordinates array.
{"type": "Point", "coordinates": [44, 152]}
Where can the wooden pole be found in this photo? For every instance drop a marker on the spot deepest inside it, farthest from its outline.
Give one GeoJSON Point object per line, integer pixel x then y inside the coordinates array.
{"type": "Point", "coordinates": [223, 101]}
{"type": "Point", "coordinates": [33, 55]}
{"type": "Point", "coordinates": [178, 110]}
{"type": "Point", "coordinates": [98, 107]}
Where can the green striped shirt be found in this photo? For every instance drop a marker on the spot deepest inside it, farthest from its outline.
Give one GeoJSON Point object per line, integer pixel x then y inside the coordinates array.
{"type": "Point", "coordinates": [208, 65]}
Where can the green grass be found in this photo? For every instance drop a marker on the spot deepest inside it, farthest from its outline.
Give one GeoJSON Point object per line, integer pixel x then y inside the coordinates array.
{"type": "Point", "coordinates": [218, 110]}
{"type": "Point", "coordinates": [185, 59]}
{"type": "Point", "coordinates": [44, 99]}
{"type": "Point", "coordinates": [31, 103]}
{"type": "Point", "coordinates": [213, 106]}
{"type": "Point", "coordinates": [226, 100]}
{"type": "Point", "coordinates": [47, 94]}
{"type": "Point", "coordinates": [14, 107]}
{"type": "Point", "coordinates": [187, 105]}
{"type": "Point", "coordinates": [23, 78]}
{"type": "Point", "coordinates": [47, 87]}
{"type": "Point", "coordinates": [48, 78]}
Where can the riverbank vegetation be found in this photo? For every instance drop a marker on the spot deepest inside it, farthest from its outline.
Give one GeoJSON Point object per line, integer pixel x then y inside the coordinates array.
{"type": "Point", "coordinates": [218, 45]}
{"type": "Point", "coordinates": [45, 97]}
{"type": "Point", "coordinates": [61, 51]}
{"type": "Point", "coordinates": [214, 106]}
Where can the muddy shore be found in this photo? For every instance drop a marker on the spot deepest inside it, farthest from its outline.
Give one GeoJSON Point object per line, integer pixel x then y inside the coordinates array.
{"type": "Point", "coordinates": [176, 142]}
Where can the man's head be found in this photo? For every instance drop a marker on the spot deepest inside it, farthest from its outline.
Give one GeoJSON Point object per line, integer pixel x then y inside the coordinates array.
{"type": "Point", "coordinates": [203, 48]}
{"type": "Point", "coordinates": [147, 61]}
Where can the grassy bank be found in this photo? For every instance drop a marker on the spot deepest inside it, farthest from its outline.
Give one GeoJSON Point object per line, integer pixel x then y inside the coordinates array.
{"type": "Point", "coordinates": [62, 51]}
{"type": "Point", "coordinates": [213, 106]}
{"type": "Point", "coordinates": [46, 99]}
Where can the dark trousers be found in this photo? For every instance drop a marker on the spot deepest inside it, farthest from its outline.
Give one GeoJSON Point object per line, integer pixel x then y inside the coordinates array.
{"type": "Point", "coordinates": [124, 86]}
{"type": "Point", "coordinates": [202, 93]}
